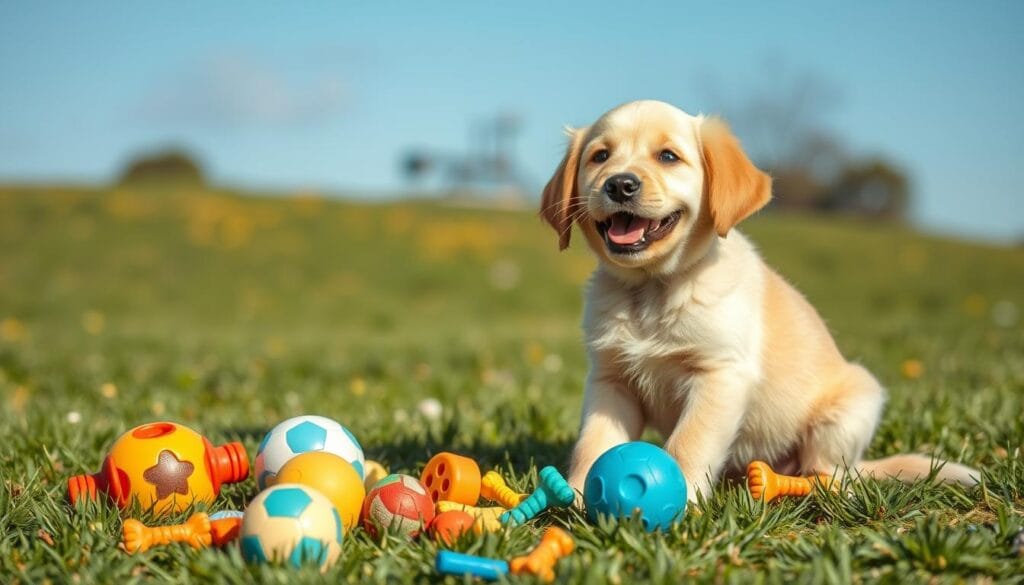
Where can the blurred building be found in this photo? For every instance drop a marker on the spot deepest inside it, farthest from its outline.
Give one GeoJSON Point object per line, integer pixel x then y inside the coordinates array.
{"type": "Point", "coordinates": [489, 173]}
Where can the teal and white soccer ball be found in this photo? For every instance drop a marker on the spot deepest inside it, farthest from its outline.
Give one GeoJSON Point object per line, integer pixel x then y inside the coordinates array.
{"type": "Point", "coordinates": [303, 434]}
{"type": "Point", "coordinates": [291, 523]}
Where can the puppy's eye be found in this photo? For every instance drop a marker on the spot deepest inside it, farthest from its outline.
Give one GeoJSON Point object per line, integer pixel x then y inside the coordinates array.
{"type": "Point", "coordinates": [667, 156]}
{"type": "Point", "coordinates": [600, 156]}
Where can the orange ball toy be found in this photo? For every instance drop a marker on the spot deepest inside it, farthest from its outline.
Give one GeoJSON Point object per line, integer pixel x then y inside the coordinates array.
{"type": "Point", "coordinates": [449, 526]}
{"type": "Point", "coordinates": [165, 466]}
{"type": "Point", "coordinates": [330, 475]}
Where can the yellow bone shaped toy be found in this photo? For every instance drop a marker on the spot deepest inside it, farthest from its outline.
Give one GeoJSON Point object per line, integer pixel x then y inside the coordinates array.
{"type": "Point", "coordinates": [486, 519]}
{"type": "Point", "coordinates": [493, 487]}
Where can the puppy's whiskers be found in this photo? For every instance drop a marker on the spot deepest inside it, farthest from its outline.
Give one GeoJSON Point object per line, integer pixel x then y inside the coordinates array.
{"type": "Point", "coordinates": [573, 218]}
{"type": "Point", "coordinates": [558, 204]}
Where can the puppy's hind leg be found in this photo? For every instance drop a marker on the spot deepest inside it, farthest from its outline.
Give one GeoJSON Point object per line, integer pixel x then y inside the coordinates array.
{"type": "Point", "coordinates": [856, 414]}
{"type": "Point", "coordinates": [840, 428]}
{"type": "Point", "coordinates": [842, 422]}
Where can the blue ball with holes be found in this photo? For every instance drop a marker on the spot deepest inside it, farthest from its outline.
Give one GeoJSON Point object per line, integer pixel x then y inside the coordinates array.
{"type": "Point", "coordinates": [636, 479]}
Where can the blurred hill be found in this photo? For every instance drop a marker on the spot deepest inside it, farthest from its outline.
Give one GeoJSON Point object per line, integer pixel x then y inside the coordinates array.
{"type": "Point", "coordinates": [202, 263]}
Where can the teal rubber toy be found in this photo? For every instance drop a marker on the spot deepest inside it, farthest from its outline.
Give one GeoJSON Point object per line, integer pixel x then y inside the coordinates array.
{"type": "Point", "coordinates": [552, 492]}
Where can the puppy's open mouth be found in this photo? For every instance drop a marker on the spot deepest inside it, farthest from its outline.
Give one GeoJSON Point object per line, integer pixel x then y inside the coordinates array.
{"type": "Point", "coordinates": [625, 233]}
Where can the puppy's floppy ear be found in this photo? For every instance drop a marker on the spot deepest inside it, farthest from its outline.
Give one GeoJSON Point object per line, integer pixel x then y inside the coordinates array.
{"type": "Point", "coordinates": [735, 187]}
{"type": "Point", "coordinates": [559, 201]}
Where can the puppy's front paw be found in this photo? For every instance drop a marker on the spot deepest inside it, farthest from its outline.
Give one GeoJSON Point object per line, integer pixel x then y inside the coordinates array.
{"type": "Point", "coordinates": [694, 488]}
{"type": "Point", "coordinates": [576, 481]}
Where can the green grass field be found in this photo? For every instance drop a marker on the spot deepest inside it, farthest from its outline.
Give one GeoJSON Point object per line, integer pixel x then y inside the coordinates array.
{"type": "Point", "coordinates": [230, 313]}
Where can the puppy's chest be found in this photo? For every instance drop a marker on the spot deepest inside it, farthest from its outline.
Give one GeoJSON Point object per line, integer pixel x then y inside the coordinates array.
{"type": "Point", "coordinates": [655, 345]}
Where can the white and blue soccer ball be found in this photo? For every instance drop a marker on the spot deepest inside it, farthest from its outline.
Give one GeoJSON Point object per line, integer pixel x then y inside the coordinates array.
{"type": "Point", "coordinates": [303, 434]}
{"type": "Point", "coordinates": [291, 523]}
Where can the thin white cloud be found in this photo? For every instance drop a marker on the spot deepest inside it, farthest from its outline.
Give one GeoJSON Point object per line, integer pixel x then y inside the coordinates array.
{"type": "Point", "coordinates": [237, 91]}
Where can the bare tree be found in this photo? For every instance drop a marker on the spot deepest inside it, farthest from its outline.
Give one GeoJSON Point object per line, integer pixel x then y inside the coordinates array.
{"type": "Point", "coordinates": [165, 167]}
{"type": "Point", "coordinates": [783, 122]}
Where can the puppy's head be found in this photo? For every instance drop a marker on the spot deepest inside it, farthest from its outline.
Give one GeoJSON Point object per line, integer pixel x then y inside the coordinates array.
{"type": "Point", "coordinates": [647, 183]}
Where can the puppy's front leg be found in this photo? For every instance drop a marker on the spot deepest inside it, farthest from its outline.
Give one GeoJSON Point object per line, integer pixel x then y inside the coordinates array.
{"type": "Point", "coordinates": [611, 416]}
{"type": "Point", "coordinates": [715, 405]}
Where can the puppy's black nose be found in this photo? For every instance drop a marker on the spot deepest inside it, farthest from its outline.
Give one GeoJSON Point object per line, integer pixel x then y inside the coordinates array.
{"type": "Point", "coordinates": [622, 187]}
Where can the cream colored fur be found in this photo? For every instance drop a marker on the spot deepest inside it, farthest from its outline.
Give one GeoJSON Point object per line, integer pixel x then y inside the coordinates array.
{"type": "Point", "coordinates": [696, 336]}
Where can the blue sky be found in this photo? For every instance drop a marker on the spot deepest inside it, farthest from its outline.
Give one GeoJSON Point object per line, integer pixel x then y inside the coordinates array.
{"type": "Point", "coordinates": [328, 95]}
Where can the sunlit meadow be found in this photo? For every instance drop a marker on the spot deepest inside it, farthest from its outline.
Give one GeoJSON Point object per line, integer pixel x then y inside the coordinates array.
{"type": "Point", "coordinates": [230, 312]}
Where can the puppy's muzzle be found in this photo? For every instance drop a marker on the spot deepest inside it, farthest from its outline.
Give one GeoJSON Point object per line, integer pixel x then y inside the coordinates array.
{"type": "Point", "coordinates": [622, 188]}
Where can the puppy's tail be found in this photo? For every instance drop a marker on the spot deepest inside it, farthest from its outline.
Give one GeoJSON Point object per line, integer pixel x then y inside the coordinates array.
{"type": "Point", "coordinates": [910, 468]}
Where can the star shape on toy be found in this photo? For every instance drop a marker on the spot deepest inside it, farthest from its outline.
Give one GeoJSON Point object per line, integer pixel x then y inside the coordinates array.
{"type": "Point", "coordinates": [169, 475]}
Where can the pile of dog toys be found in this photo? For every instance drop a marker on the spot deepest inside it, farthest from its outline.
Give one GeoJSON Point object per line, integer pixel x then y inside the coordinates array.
{"type": "Point", "coordinates": [316, 486]}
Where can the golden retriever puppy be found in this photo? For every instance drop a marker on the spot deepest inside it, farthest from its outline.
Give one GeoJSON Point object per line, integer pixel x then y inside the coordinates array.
{"type": "Point", "coordinates": [687, 329]}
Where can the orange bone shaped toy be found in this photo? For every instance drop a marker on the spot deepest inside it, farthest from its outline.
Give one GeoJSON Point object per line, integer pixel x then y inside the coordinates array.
{"type": "Point", "coordinates": [165, 466]}
{"type": "Point", "coordinates": [137, 537]}
{"type": "Point", "coordinates": [764, 483]}
{"type": "Point", "coordinates": [494, 489]}
{"type": "Point", "coordinates": [540, 562]}
{"type": "Point", "coordinates": [198, 531]}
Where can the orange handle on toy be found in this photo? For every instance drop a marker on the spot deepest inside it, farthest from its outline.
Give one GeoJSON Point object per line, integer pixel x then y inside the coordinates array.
{"type": "Point", "coordinates": [540, 562]}
{"type": "Point", "coordinates": [137, 537]}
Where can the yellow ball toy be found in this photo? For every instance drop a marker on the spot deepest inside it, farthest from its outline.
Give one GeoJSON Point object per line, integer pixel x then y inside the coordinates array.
{"type": "Point", "coordinates": [330, 475]}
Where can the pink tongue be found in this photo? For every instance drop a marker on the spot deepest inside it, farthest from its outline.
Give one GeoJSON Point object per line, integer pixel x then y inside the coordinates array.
{"type": "Point", "coordinates": [627, 230]}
